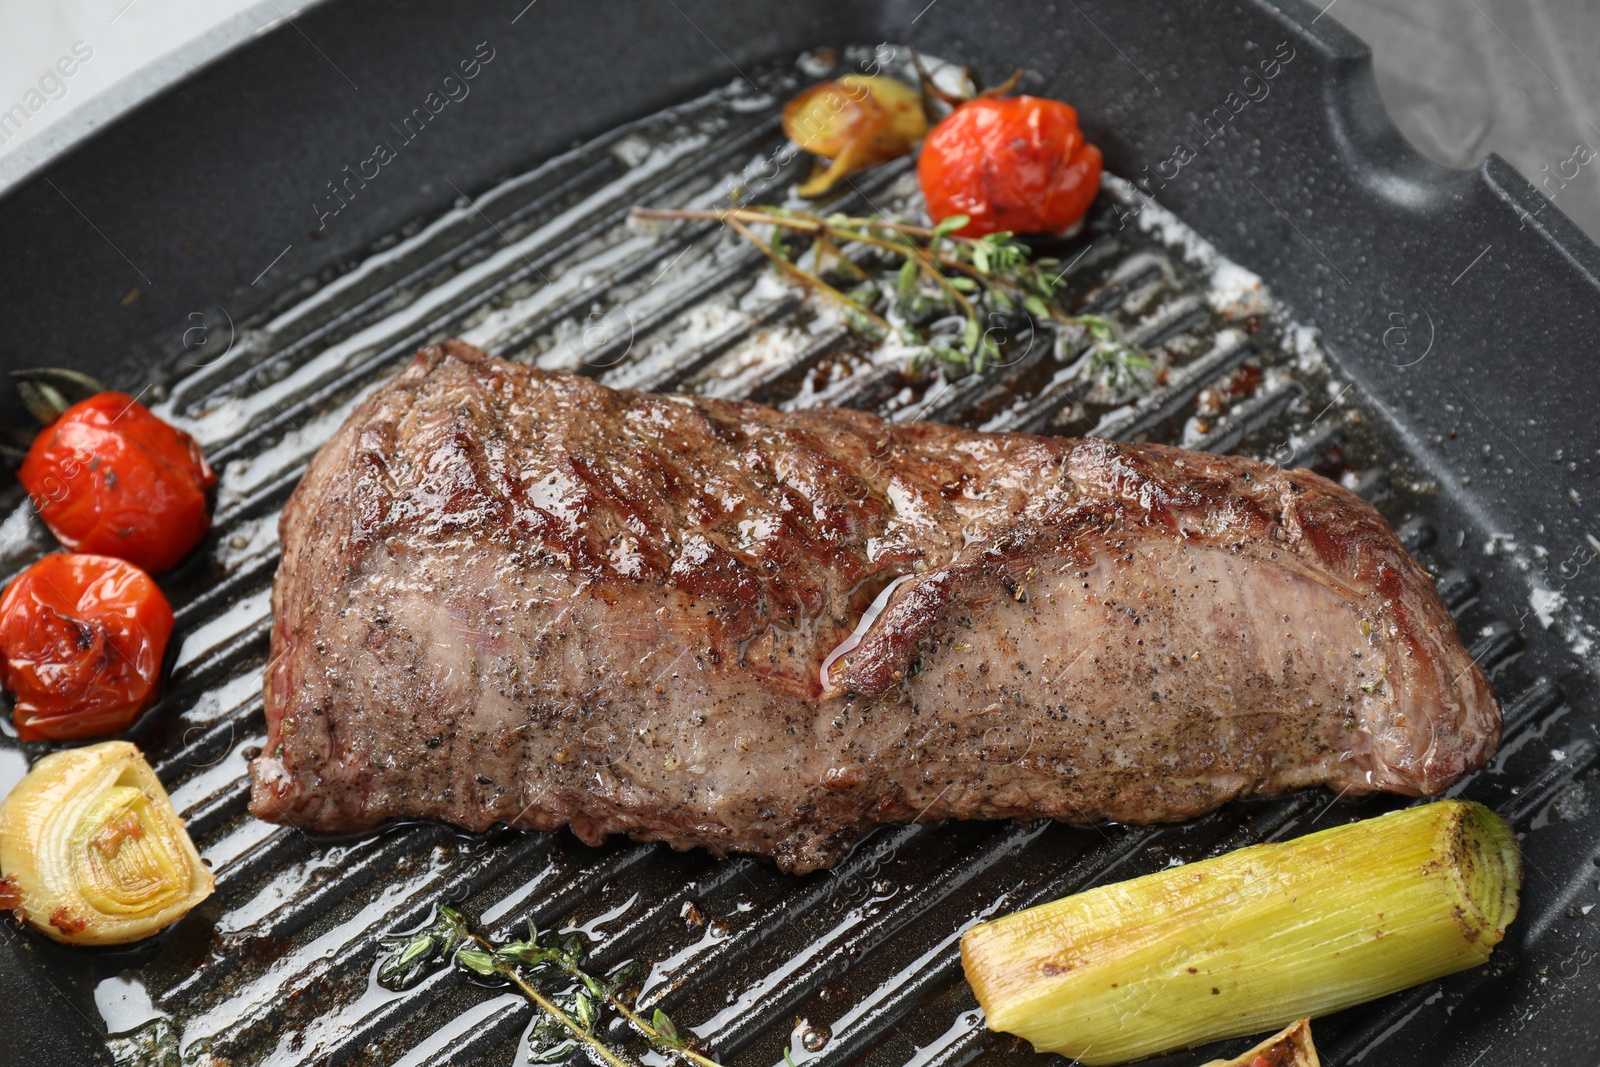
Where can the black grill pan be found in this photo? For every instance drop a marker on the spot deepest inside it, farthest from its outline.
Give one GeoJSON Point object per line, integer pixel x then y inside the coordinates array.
{"type": "Point", "coordinates": [1456, 312]}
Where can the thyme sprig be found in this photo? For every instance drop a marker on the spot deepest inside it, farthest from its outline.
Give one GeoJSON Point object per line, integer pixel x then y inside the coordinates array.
{"type": "Point", "coordinates": [572, 1017]}
{"type": "Point", "coordinates": [1115, 364]}
{"type": "Point", "coordinates": [955, 298]}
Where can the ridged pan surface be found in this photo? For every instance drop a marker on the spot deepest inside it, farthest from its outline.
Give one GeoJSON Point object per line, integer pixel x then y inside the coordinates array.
{"type": "Point", "coordinates": [859, 964]}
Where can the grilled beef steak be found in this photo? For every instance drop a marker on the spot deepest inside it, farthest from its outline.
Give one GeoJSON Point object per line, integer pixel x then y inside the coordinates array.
{"type": "Point", "coordinates": [515, 596]}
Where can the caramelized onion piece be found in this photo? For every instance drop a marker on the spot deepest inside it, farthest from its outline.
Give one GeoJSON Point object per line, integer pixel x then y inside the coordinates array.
{"type": "Point", "coordinates": [93, 851]}
{"type": "Point", "coordinates": [856, 122]}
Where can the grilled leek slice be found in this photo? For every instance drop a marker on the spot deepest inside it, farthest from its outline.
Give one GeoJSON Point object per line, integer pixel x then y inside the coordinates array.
{"type": "Point", "coordinates": [92, 851]}
{"type": "Point", "coordinates": [1251, 940]}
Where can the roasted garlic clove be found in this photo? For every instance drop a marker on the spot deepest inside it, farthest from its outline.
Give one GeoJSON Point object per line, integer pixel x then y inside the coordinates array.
{"type": "Point", "coordinates": [93, 853]}
{"type": "Point", "coordinates": [1289, 1047]}
{"type": "Point", "coordinates": [856, 122]}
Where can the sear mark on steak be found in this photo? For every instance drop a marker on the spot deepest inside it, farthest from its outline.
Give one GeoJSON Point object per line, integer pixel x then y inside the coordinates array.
{"type": "Point", "coordinates": [513, 596]}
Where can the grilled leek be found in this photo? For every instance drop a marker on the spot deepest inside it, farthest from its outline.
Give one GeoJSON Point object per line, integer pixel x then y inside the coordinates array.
{"type": "Point", "coordinates": [93, 853]}
{"type": "Point", "coordinates": [1251, 940]}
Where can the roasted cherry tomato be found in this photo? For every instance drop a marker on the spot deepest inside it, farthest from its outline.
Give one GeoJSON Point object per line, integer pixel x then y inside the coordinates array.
{"type": "Point", "coordinates": [1016, 163]}
{"type": "Point", "coordinates": [109, 477]}
{"type": "Point", "coordinates": [82, 639]}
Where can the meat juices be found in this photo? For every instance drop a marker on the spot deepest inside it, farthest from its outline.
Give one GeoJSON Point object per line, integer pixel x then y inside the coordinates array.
{"type": "Point", "coordinates": [515, 596]}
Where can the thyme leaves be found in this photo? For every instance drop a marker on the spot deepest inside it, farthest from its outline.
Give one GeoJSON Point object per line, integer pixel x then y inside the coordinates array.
{"type": "Point", "coordinates": [534, 964]}
{"type": "Point", "coordinates": [954, 299]}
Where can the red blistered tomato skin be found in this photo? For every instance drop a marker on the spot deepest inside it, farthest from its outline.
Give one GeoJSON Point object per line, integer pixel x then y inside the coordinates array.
{"type": "Point", "coordinates": [1016, 163]}
{"type": "Point", "coordinates": [82, 639]}
{"type": "Point", "coordinates": [109, 477]}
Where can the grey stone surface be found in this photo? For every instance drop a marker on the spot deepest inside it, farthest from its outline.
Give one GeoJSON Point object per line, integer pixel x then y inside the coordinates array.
{"type": "Point", "coordinates": [69, 67]}
{"type": "Point", "coordinates": [1463, 78]}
